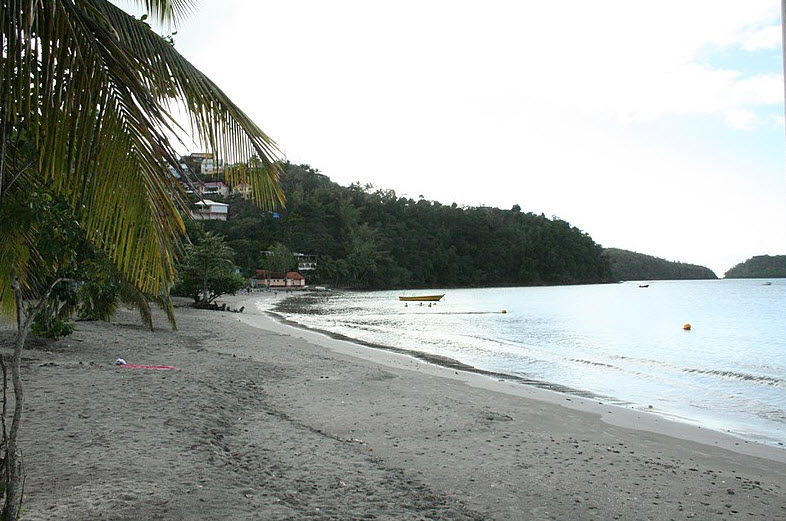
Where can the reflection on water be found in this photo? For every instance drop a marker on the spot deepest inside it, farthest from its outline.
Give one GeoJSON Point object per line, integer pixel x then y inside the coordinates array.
{"type": "Point", "coordinates": [621, 341]}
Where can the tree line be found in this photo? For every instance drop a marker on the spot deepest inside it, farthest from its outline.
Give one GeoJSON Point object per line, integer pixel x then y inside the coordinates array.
{"type": "Point", "coordinates": [629, 265]}
{"type": "Point", "coordinates": [373, 239]}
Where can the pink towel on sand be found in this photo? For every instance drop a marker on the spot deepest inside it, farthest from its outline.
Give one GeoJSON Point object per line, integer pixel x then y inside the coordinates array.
{"type": "Point", "coordinates": [159, 367]}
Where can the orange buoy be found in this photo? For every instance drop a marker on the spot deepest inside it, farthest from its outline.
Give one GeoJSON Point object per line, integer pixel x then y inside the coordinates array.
{"type": "Point", "coordinates": [686, 327]}
{"type": "Point", "coordinates": [503, 311]}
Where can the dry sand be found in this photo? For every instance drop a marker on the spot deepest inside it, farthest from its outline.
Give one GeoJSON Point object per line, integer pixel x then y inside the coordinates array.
{"type": "Point", "coordinates": [283, 424]}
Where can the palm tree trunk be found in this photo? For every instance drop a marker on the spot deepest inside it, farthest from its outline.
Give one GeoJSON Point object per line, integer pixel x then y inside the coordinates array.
{"type": "Point", "coordinates": [13, 469]}
{"type": "Point", "coordinates": [13, 476]}
{"type": "Point", "coordinates": [3, 136]}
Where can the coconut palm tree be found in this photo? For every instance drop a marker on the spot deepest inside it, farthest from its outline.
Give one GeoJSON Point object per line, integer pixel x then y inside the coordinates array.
{"type": "Point", "coordinates": [92, 104]}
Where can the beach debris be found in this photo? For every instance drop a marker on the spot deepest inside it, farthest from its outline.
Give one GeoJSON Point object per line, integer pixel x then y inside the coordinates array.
{"type": "Point", "coordinates": [122, 363]}
{"type": "Point", "coordinates": [686, 327]}
{"type": "Point", "coordinates": [495, 416]}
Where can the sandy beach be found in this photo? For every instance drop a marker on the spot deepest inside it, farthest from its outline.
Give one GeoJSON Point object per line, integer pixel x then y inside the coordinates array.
{"type": "Point", "coordinates": [264, 421]}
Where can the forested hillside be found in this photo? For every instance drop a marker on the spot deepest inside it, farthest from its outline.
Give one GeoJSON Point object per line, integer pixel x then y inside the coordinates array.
{"type": "Point", "coordinates": [629, 265]}
{"type": "Point", "coordinates": [367, 238]}
{"type": "Point", "coordinates": [761, 266]}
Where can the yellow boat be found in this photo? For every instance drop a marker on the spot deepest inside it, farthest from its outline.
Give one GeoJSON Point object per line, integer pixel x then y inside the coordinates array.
{"type": "Point", "coordinates": [423, 298]}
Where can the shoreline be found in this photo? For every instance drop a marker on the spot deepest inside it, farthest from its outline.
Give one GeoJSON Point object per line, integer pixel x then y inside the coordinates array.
{"type": "Point", "coordinates": [622, 413]}
{"type": "Point", "coordinates": [281, 423]}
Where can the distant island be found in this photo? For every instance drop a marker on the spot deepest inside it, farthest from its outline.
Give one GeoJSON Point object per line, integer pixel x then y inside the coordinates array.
{"type": "Point", "coordinates": [759, 267]}
{"type": "Point", "coordinates": [629, 265]}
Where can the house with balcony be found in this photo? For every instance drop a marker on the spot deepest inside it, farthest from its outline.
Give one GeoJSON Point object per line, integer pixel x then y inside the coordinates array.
{"type": "Point", "coordinates": [211, 166]}
{"type": "Point", "coordinates": [210, 210]}
{"type": "Point", "coordinates": [217, 189]}
{"type": "Point", "coordinates": [305, 262]}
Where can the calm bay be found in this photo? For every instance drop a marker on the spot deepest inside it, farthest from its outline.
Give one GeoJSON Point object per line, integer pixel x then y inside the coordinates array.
{"type": "Point", "coordinates": [618, 342]}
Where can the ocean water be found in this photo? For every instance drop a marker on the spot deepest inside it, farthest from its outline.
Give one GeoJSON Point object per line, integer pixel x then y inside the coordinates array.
{"type": "Point", "coordinates": [619, 342]}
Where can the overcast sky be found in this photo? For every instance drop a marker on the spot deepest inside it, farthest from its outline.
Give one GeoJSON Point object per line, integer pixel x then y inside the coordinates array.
{"type": "Point", "coordinates": [656, 127]}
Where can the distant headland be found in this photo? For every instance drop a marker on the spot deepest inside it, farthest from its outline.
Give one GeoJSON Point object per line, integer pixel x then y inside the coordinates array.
{"type": "Point", "coordinates": [761, 266]}
{"type": "Point", "coordinates": [629, 265]}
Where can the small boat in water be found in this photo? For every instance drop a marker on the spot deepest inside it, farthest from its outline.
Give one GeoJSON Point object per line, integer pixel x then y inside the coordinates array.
{"type": "Point", "coordinates": [422, 298]}
{"type": "Point", "coordinates": [644, 285]}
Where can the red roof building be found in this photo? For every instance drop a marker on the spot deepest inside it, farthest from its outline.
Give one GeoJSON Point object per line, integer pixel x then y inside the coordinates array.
{"type": "Point", "coordinates": [276, 279]}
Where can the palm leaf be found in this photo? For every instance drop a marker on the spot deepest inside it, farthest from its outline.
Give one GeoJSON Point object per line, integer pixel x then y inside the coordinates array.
{"type": "Point", "coordinates": [133, 298]}
{"type": "Point", "coordinates": [166, 11]}
{"type": "Point", "coordinates": [165, 302]}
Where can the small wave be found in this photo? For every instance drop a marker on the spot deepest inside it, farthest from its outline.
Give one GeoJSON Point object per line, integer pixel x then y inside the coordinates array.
{"type": "Point", "coordinates": [450, 363]}
{"type": "Point", "coordinates": [772, 414]}
{"type": "Point", "coordinates": [590, 362]}
{"type": "Point", "coordinates": [735, 375]}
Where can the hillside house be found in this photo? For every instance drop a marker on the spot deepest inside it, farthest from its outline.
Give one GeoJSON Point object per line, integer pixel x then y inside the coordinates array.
{"type": "Point", "coordinates": [210, 210]}
{"type": "Point", "coordinates": [211, 166]}
{"type": "Point", "coordinates": [305, 262]}
{"type": "Point", "coordinates": [217, 188]}
{"type": "Point", "coordinates": [242, 190]}
{"type": "Point", "coordinates": [175, 173]}
{"type": "Point", "coordinates": [199, 156]}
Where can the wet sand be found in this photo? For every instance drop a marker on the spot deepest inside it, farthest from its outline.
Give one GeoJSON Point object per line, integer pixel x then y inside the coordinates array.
{"type": "Point", "coordinates": [265, 421]}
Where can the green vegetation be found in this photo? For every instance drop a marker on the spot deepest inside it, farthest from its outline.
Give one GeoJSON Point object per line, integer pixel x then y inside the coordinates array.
{"type": "Point", "coordinates": [629, 265]}
{"type": "Point", "coordinates": [207, 271]}
{"type": "Point", "coordinates": [761, 266]}
{"type": "Point", "coordinates": [369, 238]}
{"type": "Point", "coordinates": [279, 258]}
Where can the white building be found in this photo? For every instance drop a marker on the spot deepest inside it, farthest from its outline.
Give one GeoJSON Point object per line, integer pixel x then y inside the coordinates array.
{"type": "Point", "coordinates": [210, 210]}
{"type": "Point", "coordinates": [305, 262]}
{"type": "Point", "coordinates": [210, 166]}
{"type": "Point", "coordinates": [174, 171]}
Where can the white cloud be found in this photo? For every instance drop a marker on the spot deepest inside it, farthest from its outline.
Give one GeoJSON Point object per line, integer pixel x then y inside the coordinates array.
{"type": "Point", "coordinates": [624, 58]}
{"type": "Point", "coordinates": [760, 89]}
{"type": "Point", "coordinates": [740, 119]}
{"type": "Point", "coordinates": [767, 38]}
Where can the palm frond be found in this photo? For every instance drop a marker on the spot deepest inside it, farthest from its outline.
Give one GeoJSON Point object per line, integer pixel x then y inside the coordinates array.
{"type": "Point", "coordinates": [165, 302]}
{"type": "Point", "coordinates": [133, 298]}
{"type": "Point", "coordinates": [167, 11]}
